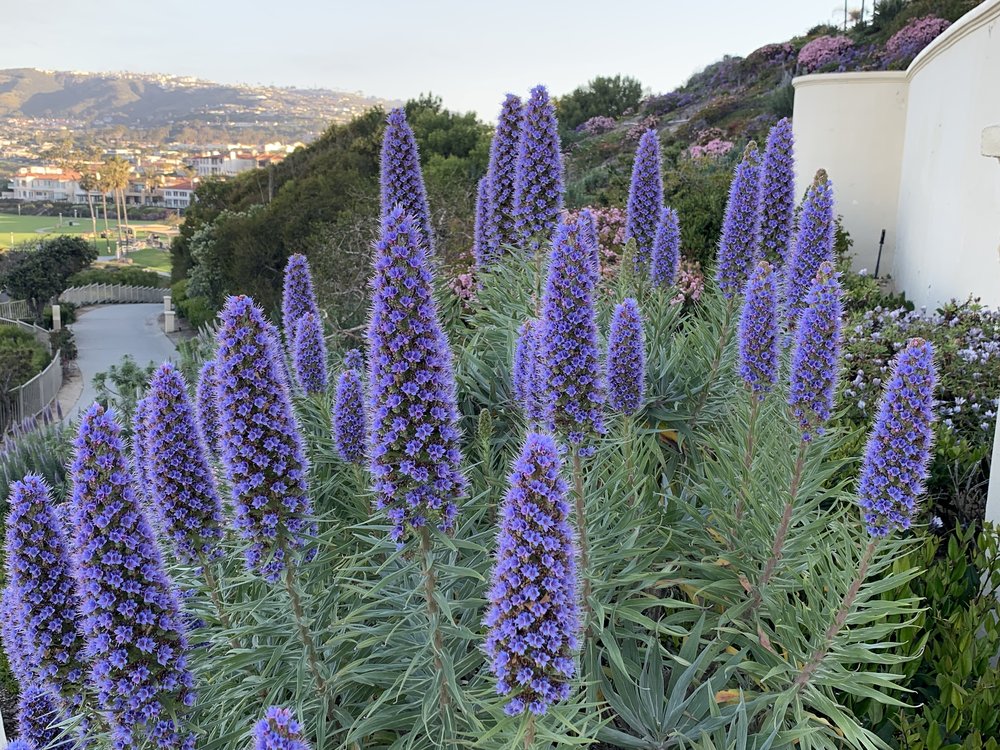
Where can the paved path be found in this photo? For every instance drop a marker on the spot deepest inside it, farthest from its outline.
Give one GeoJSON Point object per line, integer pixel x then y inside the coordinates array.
{"type": "Point", "coordinates": [106, 334]}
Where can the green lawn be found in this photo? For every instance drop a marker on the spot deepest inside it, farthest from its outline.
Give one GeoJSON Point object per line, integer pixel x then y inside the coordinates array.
{"type": "Point", "coordinates": [15, 229]}
{"type": "Point", "coordinates": [150, 259]}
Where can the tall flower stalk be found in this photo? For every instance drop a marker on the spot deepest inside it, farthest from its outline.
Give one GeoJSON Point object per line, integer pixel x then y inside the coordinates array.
{"type": "Point", "coordinates": [627, 371]}
{"type": "Point", "coordinates": [738, 245]}
{"type": "Point", "coordinates": [501, 229]}
{"type": "Point", "coordinates": [777, 194]}
{"type": "Point", "coordinates": [666, 261]}
{"type": "Point", "coordinates": [527, 372]}
{"type": "Point", "coordinates": [813, 245]}
{"type": "Point", "coordinates": [401, 181]}
{"type": "Point", "coordinates": [309, 355]}
{"type": "Point", "coordinates": [208, 408]}
{"type": "Point", "coordinates": [538, 180]}
{"type": "Point", "coordinates": [350, 422]}
{"type": "Point", "coordinates": [297, 299]}
{"type": "Point", "coordinates": [645, 200]}
{"type": "Point", "coordinates": [278, 730]}
{"type": "Point", "coordinates": [482, 251]}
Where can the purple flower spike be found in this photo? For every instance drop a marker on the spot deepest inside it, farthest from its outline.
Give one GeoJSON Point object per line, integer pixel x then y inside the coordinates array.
{"type": "Point", "coordinates": [645, 199]}
{"type": "Point", "coordinates": [666, 250]}
{"type": "Point", "coordinates": [816, 358]}
{"type": "Point", "coordinates": [40, 572]}
{"type": "Point", "coordinates": [482, 250]}
{"type": "Point", "coordinates": [759, 332]}
{"type": "Point", "coordinates": [309, 355]}
{"type": "Point", "coordinates": [20, 651]}
{"type": "Point", "coordinates": [813, 245]}
{"type": "Point", "coordinates": [626, 358]}
{"type": "Point", "coordinates": [587, 223]}
{"type": "Point", "coordinates": [350, 424]}
{"type": "Point", "coordinates": [263, 452]}
{"type": "Point", "coordinates": [37, 713]}
{"type": "Point", "coordinates": [278, 730]}
{"type": "Point", "coordinates": [130, 618]}
{"type": "Point", "coordinates": [208, 408]}
{"type": "Point", "coordinates": [898, 450]}
{"type": "Point", "coordinates": [740, 240]}
{"type": "Point", "coordinates": [501, 229]}
{"type": "Point", "coordinates": [181, 485]}
{"type": "Point", "coordinates": [140, 442]}
{"type": "Point", "coordinates": [533, 614]}
{"type": "Point", "coordinates": [354, 360]}
{"type": "Point", "coordinates": [20, 744]}
{"type": "Point", "coordinates": [298, 298]}
{"type": "Point", "coordinates": [402, 183]}
{"type": "Point", "coordinates": [574, 397]}
{"type": "Point", "coordinates": [414, 439]}
{"type": "Point", "coordinates": [777, 193]}
{"type": "Point", "coordinates": [527, 372]}
{"type": "Point", "coordinates": [538, 182]}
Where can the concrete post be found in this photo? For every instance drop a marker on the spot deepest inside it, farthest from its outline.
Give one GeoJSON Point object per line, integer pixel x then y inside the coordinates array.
{"type": "Point", "coordinates": [991, 148]}
{"type": "Point", "coordinates": [168, 303]}
{"type": "Point", "coordinates": [56, 318]}
{"type": "Point", "coordinates": [169, 325]}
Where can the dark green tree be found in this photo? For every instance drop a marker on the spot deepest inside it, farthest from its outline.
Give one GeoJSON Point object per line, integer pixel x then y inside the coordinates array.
{"type": "Point", "coordinates": [40, 275]}
{"type": "Point", "coordinates": [610, 96]}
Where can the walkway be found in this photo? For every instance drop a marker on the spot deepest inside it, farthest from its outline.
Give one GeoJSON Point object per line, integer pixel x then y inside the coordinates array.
{"type": "Point", "coordinates": [106, 334]}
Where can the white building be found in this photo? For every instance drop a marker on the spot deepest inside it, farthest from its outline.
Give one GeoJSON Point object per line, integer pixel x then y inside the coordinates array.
{"type": "Point", "coordinates": [178, 195]}
{"type": "Point", "coordinates": [47, 184]}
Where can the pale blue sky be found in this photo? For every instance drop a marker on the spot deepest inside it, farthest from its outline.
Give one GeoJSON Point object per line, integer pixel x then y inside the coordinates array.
{"type": "Point", "coordinates": [467, 51]}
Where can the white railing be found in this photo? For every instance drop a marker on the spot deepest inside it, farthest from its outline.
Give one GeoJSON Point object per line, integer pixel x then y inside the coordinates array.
{"type": "Point", "coordinates": [15, 310]}
{"type": "Point", "coordinates": [20, 405]}
{"type": "Point", "coordinates": [101, 294]}
{"type": "Point", "coordinates": [40, 334]}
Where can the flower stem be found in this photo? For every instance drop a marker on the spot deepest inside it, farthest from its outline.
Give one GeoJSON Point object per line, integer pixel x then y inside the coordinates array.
{"type": "Point", "coordinates": [581, 531]}
{"type": "Point", "coordinates": [720, 350]}
{"type": "Point", "coordinates": [846, 605]}
{"type": "Point", "coordinates": [434, 617]}
{"type": "Point", "coordinates": [529, 733]}
{"type": "Point", "coordinates": [630, 458]}
{"type": "Point", "coordinates": [748, 458]}
{"type": "Point", "coordinates": [215, 593]}
{"type": "Point", "coordinates": [312, 655]}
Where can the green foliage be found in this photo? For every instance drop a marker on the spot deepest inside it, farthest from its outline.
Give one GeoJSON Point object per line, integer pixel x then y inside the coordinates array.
{"type": "Point", "coordinates": [196, 310]}
{"type": "Point", "coordinates": [117, 275]}
{"type": "Point", "coordinates": [610, 96]}
{"type": "Point", "coordinates": [698, 189]}
{"type": "Point", "coordinates": [67, 314]}
{"type": "Point", "coordinates": [21, 357]}
{"type": "Point", "coordinates": [121, 387]}
{"type": "Point", "coordinates": [38, 276]}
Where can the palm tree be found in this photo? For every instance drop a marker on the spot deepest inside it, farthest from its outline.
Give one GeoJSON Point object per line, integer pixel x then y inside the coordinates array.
{"type": "Point", "coordinates": [102, 185]}
{"type": "Point", "coordinates": [89, 182]}
{"type": "Point", "coordinates": [121, 171]}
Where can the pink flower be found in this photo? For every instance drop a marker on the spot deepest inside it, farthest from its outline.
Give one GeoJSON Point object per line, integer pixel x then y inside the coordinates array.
{"type": "Point", "coordinates": [714, 148]}
{"type": "Point", "coordinates": [822, 51]}
{"type": "Point", "coordinates": [906, 43]}
{"type": "Point", "coordinates": [690, 283]}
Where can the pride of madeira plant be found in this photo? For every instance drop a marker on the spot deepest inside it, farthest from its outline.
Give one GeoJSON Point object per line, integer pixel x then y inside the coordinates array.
{"type": "Point", "coordinates": [569, 514]}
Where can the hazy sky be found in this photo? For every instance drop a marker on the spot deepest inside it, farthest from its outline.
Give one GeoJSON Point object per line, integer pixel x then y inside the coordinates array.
{"type": "Point", "coordinates": [466, 51]}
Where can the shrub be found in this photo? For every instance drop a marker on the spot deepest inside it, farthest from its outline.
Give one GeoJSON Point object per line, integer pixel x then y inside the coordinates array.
{"type": "Point", "coordinates": [906, 43]}
{"type": "Point", "coordinates": [198, 311]}
{"type": "Point", "coordinates": [608, 96]}
{"type": "Point", "coordinates": [21, 357]}
{"type": "Point", "coordinates": [822, 52]}
{"type": "Point", "coordinates": [597, 125]}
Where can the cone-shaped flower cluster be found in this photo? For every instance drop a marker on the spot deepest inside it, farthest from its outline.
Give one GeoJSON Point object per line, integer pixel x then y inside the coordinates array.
{"type": "Point", "coordinates": [262, 448]}
{"type": "Point", "coordinates": [816, 358]}
{"type": "Point", "coordinates": [309, 355]}
{"type": "Point", "coordinates": [278, 730]}
{"type": "Point", "coordinates": [208, 408]}
{"type": "Point", "coordinates": [130, 617]}
{"type": "Point", "coordinates": [533, 612]}
{"type": "Point", "coordinates": [777, 193]}
{"type": "Point", "coordinates": [40, 572]}
{"type": "Point", "coordinates": [574, 378]}
{"type": "Point", "coordinates": [182, 488]}
{"type": "Point", "coordinates": [626, 358]}
{"type": "Point", "coordinates": [528, 372]}
{"type": "Point", "coordinates": [482, 250]}
{"type": "Point", "coordinates": [350, 423]}
{"type": "Point", "coordinates": [538, 181]}
{"type": "Point", "coordinates": [759, 332]}
{"type": "Point", "coordinates": [414, 438]}
{"type": "Point", "coordinates": [813, 245]}
{"type": "Point", "coordinates": [21, 654]}
{"type": "Point", "coordinates": [354, 360]}
{"type": "Point", "coordinates": [666, 250]}
{"type": "Point", "coordinates": [738, 245]}
{"type": "Point", "coordinates": [37, 715]}
{"type": "Point", "coordinates": [402, 182]}
{"type": "Point", "coordinates": [140, 443]}
{"type": "Point", "coordinates": [587, 225]}
{"type": "Point", "coordinates": [645, 199]}
{"type": "Point", "coordinates": [898, 450]}
{"type": "Point", "coordinates": [500, 226]}
{"type": "Point", "coordinates": [298, 298]}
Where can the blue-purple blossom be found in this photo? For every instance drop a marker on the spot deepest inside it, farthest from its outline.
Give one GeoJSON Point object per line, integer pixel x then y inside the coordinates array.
{"type": "Point", "coordinates": [130, 617]}
{"type": "Point", "coordinates": [501, 229]}
{"type": "Point", "coordinates": [350, 423]}
{"type": "Point", "coordinates": [483, 251]}
{"type": "Point", "coordinates": [20, 744]}
{"type": "Point", "coordinates": [140, 461]}
{"type": "Point", "coordinates": [528, 373]}
{"type": "Point", "coordinates": [354, 360]}
{"type": "Point", "coordinates": [298, 298]}
{"type": "Point", "coordinates": [309, 355]}
{"type": "Point", "coordinates": [278, 730]}
{"type": "Point", "coordinates": [263, 451]}
{"type": "Point", "coordinates": [181, 490]}
{"type": "Point", "coordinates": [587, 224]}
{"type": "Point", "coordinates": [401, 181]}
{"type": "Point", "coordinates": [626, 358]}
{"type": "Point", "coordinates": [816, 357]}
{"type": "Point", "coordinates": [813, 245]}
{"type": "Point", "coordinates": [759, 344]}
{"type": "Point", "coordinates": [414, 437]}
{"type": "Point", "coordinates": [20, 651]}
{"type": "Point", "coordinates": [538, 181]}
{"type": "Point", "coordinates": [40, 572]}
{"type": "Point", "coordinates": [37, 716]}
{"type": "Point", "coordinates": [645, 199]}
{"type": "Point", "coordinates": [206, 398]}
{"type": "Point", "coordinates": [898, 451]}
{"type": "Point", "coordinates": [533, 614]}
{"type": "Point", "coordinates": [666, 261]}
{"type": "Point", "coordinates": [739, 245]}
{"type": "Point", "coordinates": [777, 194]}
{"type": "Point", "coordinates": [574, 377]}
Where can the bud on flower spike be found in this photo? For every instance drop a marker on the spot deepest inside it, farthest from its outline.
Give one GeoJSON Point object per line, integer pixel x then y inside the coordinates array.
{"type": "Point", "coordinates": [413, 444]}
{"type": "Point", "coordinates": [574, 380]}
{"type": "Point", "coordinates": [309, 355]}
{"type": "Point", "coordinates": [759, 332]}
{"type": "Point", "coordinates": [626, 358]}
{"type": "Point", "coordinates": [500, 227]}
{"type": "Point", "coordinates": [528, 372]}
{"type": "Point", "coordinates": [898, 451]}
{"type": "Point", "coordinates": [41, 573]}
{"type": "Point", "coordinates": [816, 358]}
{"type": "Point", "coordinates": [666, 250]}
{"type": "Point", "coordinates": [182, 488]}
{"type": "Point", "coordinates": [130, 617]}
{"type": "Point", "coordinates": [813, 245]}
{"type": "Point", "coordinates": [645, 199]}
{"type": "Point", "coordinates": [298, 298]}
{"type": "Point", "coordinates": [262, 448]}
{"type": "Point", "coordinates": [538, 183]}
{"type": "Point", "coordinates": [738, 245]}
{"type": "Point", "coordinates": [208, 408]}
{"type": "Point", "coordinates": [402, 183]}
{"type": "Point", "coordinates": [350, 424]}
{"type": "Point", "coordinates": [278, 730]}
{"type": "Point", "coordinates": [533, 616]}
{"type": "Point", "coordinates": [777, 194]}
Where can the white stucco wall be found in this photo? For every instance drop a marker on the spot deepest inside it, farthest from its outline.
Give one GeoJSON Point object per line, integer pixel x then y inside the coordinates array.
{"type": "Point", "coordinates": [852, 125]}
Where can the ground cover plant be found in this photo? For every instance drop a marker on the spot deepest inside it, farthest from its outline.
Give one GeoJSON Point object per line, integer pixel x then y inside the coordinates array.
{"type": "Point", "coordinates": [564, 508]}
